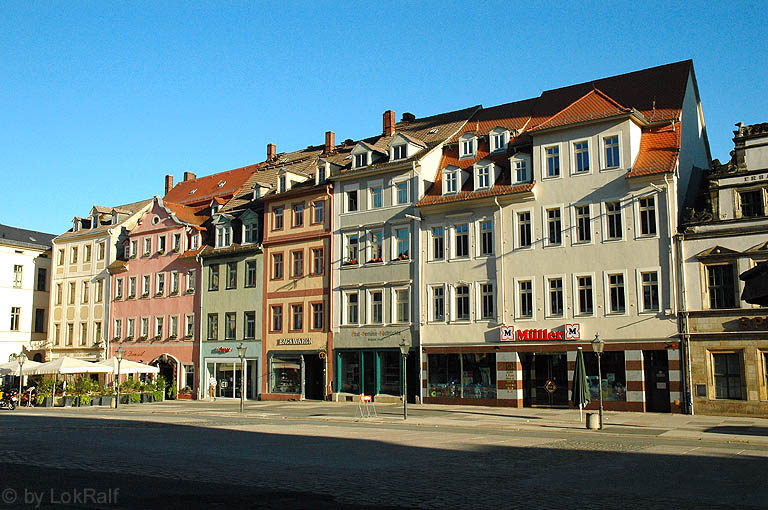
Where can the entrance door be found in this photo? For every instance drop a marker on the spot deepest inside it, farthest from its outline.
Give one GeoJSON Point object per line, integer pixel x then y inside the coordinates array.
{"type": "Point", "coordinates": [225, 378]}
{"type": "Point", "coordinates": [369, 373]}
{"type": "Point", "coordinates": [313, 377]}
{"type": "Point", "coordinates": [656, 367]}
{"type": "Point", "coordinates": [546, 379]}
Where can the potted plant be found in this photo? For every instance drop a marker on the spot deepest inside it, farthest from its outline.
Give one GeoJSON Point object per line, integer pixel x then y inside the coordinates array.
{"type": "Point", "coordinates": [44, 392]}
{"type": "Point", "coordinates": [185, 393]}
{"type": "Point", "coordinates": [172, 391]}
{"type": "Point", "coordinates": [107, 396]}
{"type": "Point", "coordinates": [161, 252]}
{"type": "Point", "coordinates": [350, 262]}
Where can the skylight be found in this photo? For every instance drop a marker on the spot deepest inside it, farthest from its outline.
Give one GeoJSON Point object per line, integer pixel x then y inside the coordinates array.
{"type": "Point", "coordinates": [193, 191]}
{"type": "Point", "coordinates": [432, 131]}
{"type": "Point", "coordinates": [222, 183]}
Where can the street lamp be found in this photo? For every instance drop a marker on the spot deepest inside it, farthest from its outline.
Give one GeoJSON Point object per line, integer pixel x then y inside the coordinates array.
{"type": "Point", "coordinates": [241, 353]}
{"type": "Point", "coordinates": [21, 358]}
{"type": "Point", "coordinates": [597, 347]}
{"type": "Point", "coordinates": [119, 355]}
{"type": "Point", "coordinates": [404, 348]}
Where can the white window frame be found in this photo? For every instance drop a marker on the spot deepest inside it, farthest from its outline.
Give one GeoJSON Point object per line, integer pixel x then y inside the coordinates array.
{"type": "Point", "coordinates": [396, 191]}
{"type": "Point", "coordinates": [431, 302]}
{"type": "Point", "coordinates": [345, 247]}
{"type": "Point", "coordinates": [354, 188]}
{"type": "Point", "coordinates": [159, 326]}
{"type": "Point", "coordinates": [371, 186]}
{"type": "Point", "coordinates": [144, 325]}
{"type": "Point", "coordinates": [516, 218]}
{"type": "Point", "coordinates": [603, 160]}
{"type": "Point", "coordinates": [547, 298]}
{"type": "Point", "coordinates": [190, 279]}
{"type": "Point", "coordinates": [545, 225]}
{"type": "Point", "coordinates": [454, 175]}
{"type": "Point", "coordinates": [454, 244]}
{"type": "Point", "coordinates": [487, 174]}
{"type": "Point", "coordinates": [146, 285]}
{"type": "Point", "coordinates": [130, 327]}
{"type": "Point", "coordinates": [189, 320]}
{"type": "Point", "coordinates": [160, 284]}
{"type": "Point", "coordinates": [518, 300]}
{"type": "Point", "coordinates": [544, 162]}
{"type": "Point", "coordinates": [223, 236]}
{"type": "Point", "coordinates": [454, 303]}
{"type": "Point", "coordinates": [173, 326]}
{"type": "Point", "coordinates": [118, 328]}
{"type": "Point", "coordinates": [607, 292]}
{"type": "Point", "coordinates": [604, 214]}
{"type": "Point", "coordinates": [369, 307]}
{"type": "Point", "coordinates": [480, 231]}
{"type": "Point", "coordinates": [575, 295]}
{"type": "Point", "coordinates": [133, 282]}
{"type": "Point", "coordinates": [463, 141]}
{"type": "Point", "coordinates": [575, 226]}
{"type": "Point", "coordinates": [638, 221]}
{"type": "Point", "coordinates": [479, 301]}
{"type": "Point", "coordinates": [395, 242]}
{"type": "Point", "coordinates": [573, 155]}
{"type": "Point", "coordinates": [399, 151]}
{"type": "Point", "coordinates": [492, 138]}
{"type": "Point", "coordinates": [147, 247]}
{"type": "Point", "coordinates": [366, 155]}
{"type": "Point", "coordinates": [345, 307]}
{"type": "Point", "coordinates": [395, 303]}
{"type": "Point", "coordinates": [513, 165]}
{"type": "Point", "coordinates": [432, 238]}
{"type": "Point", "coordinates": [639, 289]}
{"type": "Point", "coordinates": [371, 244]}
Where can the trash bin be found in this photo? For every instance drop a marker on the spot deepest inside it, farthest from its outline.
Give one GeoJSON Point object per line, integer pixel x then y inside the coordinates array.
{"type": "Point", "coordinates": [593, 421]}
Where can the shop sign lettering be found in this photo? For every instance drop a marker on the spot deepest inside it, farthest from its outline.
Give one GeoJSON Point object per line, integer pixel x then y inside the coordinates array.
{"type": "Point", "coordinates": [222, 349]}
{"type": "Point", "coordinates": [753, 322]}
{"type": "Point", "coordinates": [570, 332]}
{"type": "Point", "coordinates": [294, 341]}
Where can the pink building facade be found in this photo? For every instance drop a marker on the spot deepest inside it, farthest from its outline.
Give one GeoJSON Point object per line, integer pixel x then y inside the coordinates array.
{"type": "Point", "coordinates": [155, 292]}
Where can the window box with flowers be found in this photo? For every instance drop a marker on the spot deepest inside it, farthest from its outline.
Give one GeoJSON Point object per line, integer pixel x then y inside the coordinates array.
{"type": "Point", "coordinates": [133, 255]}
{"type": "Point", "coordinates": [145, 294]}
{"type": "Point", "coordinates": [350, 262]}
{"type": "Point", "coordinates": [173, 337]}
{"type": "Point", "coordinates": [158, 337]}
{"type": "Point", "coordinates": [375, 260]}
{"type": "Point", "coordinates": [161, 252]}
{"type": "Point", "coordinates": [142, 338]}
{"type": "Point", "coordinates": [129, 338]}
{"type": "Point", "coordinates": [174, 293]}
{"type": "Point", "coordinates": [176, 250]}
{"type": "Point", "coordinates": [403, 256]}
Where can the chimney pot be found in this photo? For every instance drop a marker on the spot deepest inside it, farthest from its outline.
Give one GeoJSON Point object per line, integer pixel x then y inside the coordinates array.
{"type": "Point", "coordinates": [188, 176]}
{"type": "Point", "coordinates": [329, 141]}
{"type": "Point", "coordinates": [168, 183]}
{"type": "Point", "coordinates": [271, 151]}
{"type": "Point", "coordinates": [389, 122]}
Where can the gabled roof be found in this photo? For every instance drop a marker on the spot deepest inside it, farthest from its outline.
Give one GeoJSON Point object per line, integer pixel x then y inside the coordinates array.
{"type": "Point", "coordinates": [659, 149]}
{"type": "Point", "coordinates": [190, 215]}
{"type": "Point", "coordinates": [125, 209]}
{"type": "Point", "coordinates": [593, 105]}
{"type": "Point", "coordinates": [22, 237]}
{"type": "Point", "coordinates": [717, 252]}
{"type": "Point", "coordinates": [512, 116]}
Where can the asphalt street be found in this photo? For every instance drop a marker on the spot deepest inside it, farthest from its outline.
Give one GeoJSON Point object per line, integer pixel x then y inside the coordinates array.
{"type": "Point", "coordinates": [322, 455]}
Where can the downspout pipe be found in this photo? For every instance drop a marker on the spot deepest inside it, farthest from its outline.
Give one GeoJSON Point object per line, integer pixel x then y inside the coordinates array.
{"type": "Point", "coordinates": [329, 338]}
{"type": "Point", "coordinates": [201, 376]}
{"type": "Point", "coordinates": [502, 279]}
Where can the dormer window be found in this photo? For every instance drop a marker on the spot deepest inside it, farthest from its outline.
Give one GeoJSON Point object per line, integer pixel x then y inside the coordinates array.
{"type": "Point", "coordinates": [483, 177]}
{"type": "Point", "coordinates": [400, 151]}
{"type": "Point", "coordinates": [320, 174]}
{"type": "Point", "coordinates": [467, 146]}
{"type": "Point", "coordinates": [223, 236]}
{"type": "Point", "coordinates": [214, 208]}
{"type": "Point", "coordinates": [361, 160]}
{"type": "Point", "coordinates": [499, 138]}
{"type": "Point", "coordinates": [250, 233]}
{"type": "Point", "coordinates": [450, 180]}
{"type": "Point", "coordinates": [282, 184]}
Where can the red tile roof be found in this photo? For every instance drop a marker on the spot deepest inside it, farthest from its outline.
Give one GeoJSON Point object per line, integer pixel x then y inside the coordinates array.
{"type": "Point", "coordinates": [194, 216]}
{"type": "Point", "coordinates": [200, 191]}
{"type": "Point", "coordinates": [659, 149]}
{"type": "Point", "coordinates": [593, 105]}
{"type": "Point", "coordinates": [513, 116]}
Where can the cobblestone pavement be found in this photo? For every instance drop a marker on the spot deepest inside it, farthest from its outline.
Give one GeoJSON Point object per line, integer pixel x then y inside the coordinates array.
{"type": "Point", "coordinates": [297, 455]}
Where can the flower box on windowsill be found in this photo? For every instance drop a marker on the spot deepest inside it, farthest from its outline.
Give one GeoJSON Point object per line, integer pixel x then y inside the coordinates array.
{"type": "Point", "coordinates": [147, 254]}
{"type": "Point", "coordinates": [351, 262]}
{"type": "Point", "coordinates": [403, 256]}
{"type": "Point", "coordinates": [158, 337]}
{"type": "Point", "coordinates": [172, 337]}
{"type": "Point", "coordinates": [142, 338]}
{"type": "Point", "coordinates": [131, 296]}
{"type": "Point", "coordinates": [145, 295]}
{"type": "Point", "coordinates": [174, 293]}
{"type": "Point", "coordinates": [176, 250]}
{"type": "Point", "coordinates": [161, 252]}
{"type": "Point", "coordinates": [129, 338]}
{"type": "Point", "coordinates": [116, 339]}
{"type": "Point", "coordinates": [133, 255]}
{"type": "Point", "coordinates": [375, 261]}
{"type": "Point", "coordinates": [187, 336]}
{"type": "Point", "coordinates": [190, 291]}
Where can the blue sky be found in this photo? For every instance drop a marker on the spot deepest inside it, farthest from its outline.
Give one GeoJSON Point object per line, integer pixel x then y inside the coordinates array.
{"type": "Point", "coordinates": [99, 100]}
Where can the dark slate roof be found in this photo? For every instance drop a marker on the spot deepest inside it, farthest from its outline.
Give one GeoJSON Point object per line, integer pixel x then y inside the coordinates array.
{"type": "Point", "coordinates": [25, 238]}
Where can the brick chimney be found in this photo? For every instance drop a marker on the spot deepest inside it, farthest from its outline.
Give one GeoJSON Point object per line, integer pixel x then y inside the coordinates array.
{"type": "Point", "coordinates": [389, 122]}
{"type": "Point", "coordinates": [168, 183]}
{"type": "Point", "coordinates": [188, 176]}
{"type": "Point", "coordinates": [329, 141]}
{"type": "Point", "coordinates": [271, 151]}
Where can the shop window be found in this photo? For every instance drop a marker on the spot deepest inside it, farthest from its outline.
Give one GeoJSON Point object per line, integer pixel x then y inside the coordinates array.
{"type": "Point", "coordinates": [614, 383]}
{"type": "Point", "coordinates": [286, 374]}
{"type": "Point", "coordinates": [349, 363]}
{"type": "Point", "coordinates": [189, 375]}
{"type": "Point", "coordinates": [727, 375]}
{"type": "Point", "coordinates": [462, 375]}
{"type": "Point", "coordinates": [390, 370]}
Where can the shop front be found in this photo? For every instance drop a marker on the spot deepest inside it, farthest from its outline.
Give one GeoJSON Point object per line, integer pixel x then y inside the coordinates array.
{"type": "Point", "coordinates": [177, 361]}
{"type": "Point", "coordinates": [369, 362]}
{"type": "Point", "coordinates": [536, 372]}
{"type": "Point", "coordinates": [296, 368]}
{"type": "Point", "coordinates": [221, 361]}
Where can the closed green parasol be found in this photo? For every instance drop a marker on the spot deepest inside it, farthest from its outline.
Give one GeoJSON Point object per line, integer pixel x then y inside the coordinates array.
{"type": "Point", "coordinates": [580, 385]}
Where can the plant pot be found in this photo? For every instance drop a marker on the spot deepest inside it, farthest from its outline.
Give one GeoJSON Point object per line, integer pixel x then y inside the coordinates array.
{"type": "Point", "coordinates": [123, 399]}
{"type": "Point", "coordinates": [96, 401]}
{"type": "Point", "coordinates": [107, 400]}
{"type": "Point", "coordinates": [47, 402]}
{"type": "Point", "coordinates": [68, 401]}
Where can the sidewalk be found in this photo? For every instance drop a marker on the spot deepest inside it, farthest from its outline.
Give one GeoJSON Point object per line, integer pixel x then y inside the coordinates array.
{"type": "Point", "coordinates": [734, 429]}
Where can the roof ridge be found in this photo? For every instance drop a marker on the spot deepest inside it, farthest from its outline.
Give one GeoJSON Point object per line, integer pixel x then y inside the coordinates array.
{"type": "Point", "coordinates": [594, 90]}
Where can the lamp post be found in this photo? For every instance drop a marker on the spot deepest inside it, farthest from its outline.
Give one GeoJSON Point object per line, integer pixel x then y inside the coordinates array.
{"type": "Point", "coordinates": [119, 355]}
{"type": "Point", "coordinates": [404, 348]}
{"type": "Point", "coordinates": [241, 353]}
{"type": "Point", "coordinates": [597, 347]}
{"type": "Point", "coordinates": [21, 358]}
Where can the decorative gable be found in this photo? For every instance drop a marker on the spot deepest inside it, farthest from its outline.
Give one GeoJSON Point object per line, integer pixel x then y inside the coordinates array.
{"type": "Point", "coordinates": [717, 253]}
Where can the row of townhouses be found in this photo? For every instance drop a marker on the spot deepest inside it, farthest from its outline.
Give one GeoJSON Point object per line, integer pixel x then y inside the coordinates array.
{"type": "Point", "coordinates": [491, 242]}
